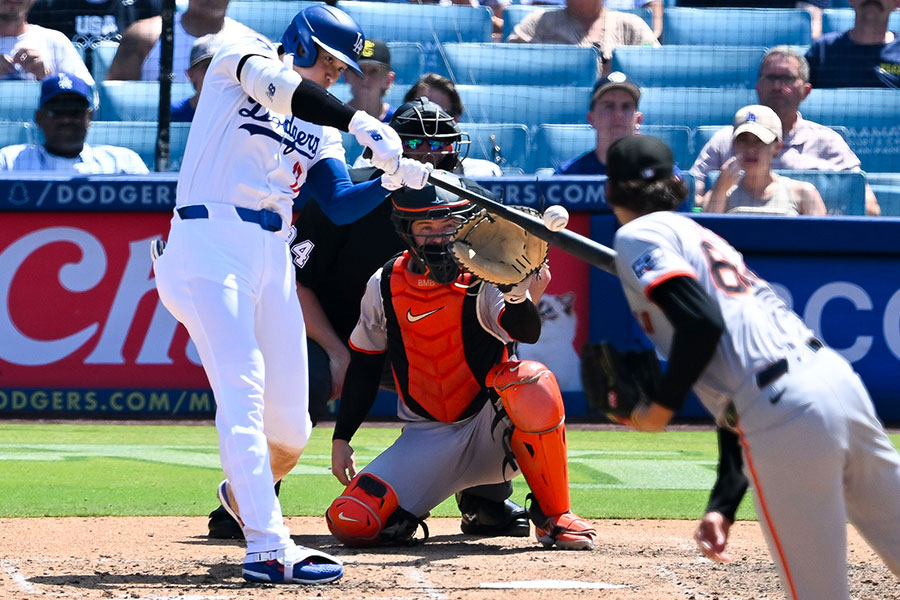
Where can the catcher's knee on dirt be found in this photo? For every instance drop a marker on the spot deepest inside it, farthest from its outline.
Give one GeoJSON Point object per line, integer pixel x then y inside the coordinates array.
{"type": "Point", "coordinates": [533, 402]}
{"type": "Point", "coordinates": [368, 513]}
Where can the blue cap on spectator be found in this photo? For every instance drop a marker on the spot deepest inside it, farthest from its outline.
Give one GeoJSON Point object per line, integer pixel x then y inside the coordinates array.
{"type": "Point", "coordinates": [64, 83]}
{"type": "Point", "coordinates": [616, 80]}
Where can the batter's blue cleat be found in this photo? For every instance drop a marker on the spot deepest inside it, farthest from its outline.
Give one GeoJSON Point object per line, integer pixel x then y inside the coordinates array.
{"type": "Point", "coordinates": [295, 564]}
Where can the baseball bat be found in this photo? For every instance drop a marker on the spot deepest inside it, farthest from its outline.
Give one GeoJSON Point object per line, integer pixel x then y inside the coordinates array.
{"type": "Point", "coordinates": [577, 245]}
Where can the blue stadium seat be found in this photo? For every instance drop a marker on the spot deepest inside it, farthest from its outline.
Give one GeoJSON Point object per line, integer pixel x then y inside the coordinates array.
{"type": "Point", "coordinates": [679, 66]}
{"type": "Point", "coordinates": [135, 100]}
{"type": "Point", "coordinates": [531, 105]}
{"type": "Point", "coordinates": [520, 64]}
{"type": "Point", "coordinates": [513, 15]}
{"type": "Point", "coordinates": [140, 137]}
{"type": "Point", "coordinates": [736, 26]}
{"type": "Point", "coordinates": [268, 17]}
{"type": "Point", "coordinates": [178, 134]}
{"type": "Point", "coordinates": [407, 61]}
{"type": "Point", "coordinates": [102, 54]}
{"type": "Point", "coordinates": [844, 192]}
{"type": "Point", "coordinates": [693, 107]}
{"type": "Point", "coordinates": [420, 22]}
{"type": "Point", "coordinates": [841, 19]}
{"type": "Point", "coordinates": [508, 148]}
{"type": "Point", "coordinates": [20, 100]}
{"type": "Point", "coordinates": [17, 132]}
{"type": "Point", "coordinates": [555, 144]}
{"type": "Point", "coordinates": [872, 118]}
{"type": "Point", "coordinates": [887, 189]}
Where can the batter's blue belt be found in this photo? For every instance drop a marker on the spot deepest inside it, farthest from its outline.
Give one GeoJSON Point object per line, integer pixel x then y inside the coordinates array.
{"type": "Point", "coordinates": [267, 219]}
{"type": "Point", "coordinates": [778, 368]}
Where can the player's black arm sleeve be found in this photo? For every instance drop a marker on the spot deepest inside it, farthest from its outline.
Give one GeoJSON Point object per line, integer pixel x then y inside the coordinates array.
{"type": "Point", "coordinates": [522, 321]}
{"type": "Point", "coordinates": [312, 102]}
{"type": "Point", "coordinates": [698, 325]}
{"type": "Point", "coordinates": [358, 395]}
{"type": "Point", "coordinates": [731, 485]}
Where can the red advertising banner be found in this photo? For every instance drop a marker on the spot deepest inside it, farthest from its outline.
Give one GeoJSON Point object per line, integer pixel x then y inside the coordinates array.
{"type": "Point", "coordinates": [82, 329]}
{"type": "Point", "coordinates": [80, 307]}
{"type": "Point", "coordinates": [564, 308]}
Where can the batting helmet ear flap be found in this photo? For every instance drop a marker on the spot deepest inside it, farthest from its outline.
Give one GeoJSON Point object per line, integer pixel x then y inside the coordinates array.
{"type": "Point", "coordinates": [325, 27]}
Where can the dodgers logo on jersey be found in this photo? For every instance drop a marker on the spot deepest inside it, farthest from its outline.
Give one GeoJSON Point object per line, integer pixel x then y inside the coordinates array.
{"type": "Point", "coordinates": [291, 135]}
{"type": "Point", "coordinates": [646, 262]}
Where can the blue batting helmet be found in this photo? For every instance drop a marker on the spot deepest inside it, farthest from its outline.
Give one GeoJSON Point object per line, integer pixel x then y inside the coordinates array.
{"type": "Point", "coordinates": [328, 28]}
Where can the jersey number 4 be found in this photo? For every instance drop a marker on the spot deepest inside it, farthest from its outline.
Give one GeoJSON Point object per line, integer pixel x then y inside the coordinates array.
{"type": "Point", "coordinates": [301, 252]}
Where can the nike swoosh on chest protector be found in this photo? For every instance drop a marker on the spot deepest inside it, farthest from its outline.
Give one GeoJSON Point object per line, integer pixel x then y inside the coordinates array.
{"type": "Point", "coordinates": [413, 318]}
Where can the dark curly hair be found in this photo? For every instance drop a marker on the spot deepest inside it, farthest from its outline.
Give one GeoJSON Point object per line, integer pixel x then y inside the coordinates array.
{"type": "Point", "coordinates": [643, 196]}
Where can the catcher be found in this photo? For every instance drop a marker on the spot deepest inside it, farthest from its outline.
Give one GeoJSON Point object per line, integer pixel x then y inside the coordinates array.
{"type": "Point", "coordinates": [473, 414]}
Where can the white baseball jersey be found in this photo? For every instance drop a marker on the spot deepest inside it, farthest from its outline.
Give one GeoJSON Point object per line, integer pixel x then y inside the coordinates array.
{"type": "Point", "coordinates": [92, 160]}
{"type": "Point", "coordinates": [240, 152]}
{"type": "Point", "coordinates": [759, 328]}
{"type": "Point", "coordinates": [57, 52]}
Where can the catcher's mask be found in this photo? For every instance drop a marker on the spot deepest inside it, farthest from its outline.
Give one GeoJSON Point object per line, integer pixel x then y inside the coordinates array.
{"type": "Point", "coordinates": [433, 258]}
{"type": "Point", "coordinates": [430, 134]}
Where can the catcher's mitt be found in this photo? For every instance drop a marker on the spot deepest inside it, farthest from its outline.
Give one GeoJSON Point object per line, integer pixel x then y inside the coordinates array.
{"type": "Point", "coordinates": [615, 382]}
{"type": "Point", "coordinates": [498, 251]}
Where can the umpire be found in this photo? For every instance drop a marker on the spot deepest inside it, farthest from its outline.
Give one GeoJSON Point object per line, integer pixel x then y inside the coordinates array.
{"type": "Point", "coordinates": [333, 264]}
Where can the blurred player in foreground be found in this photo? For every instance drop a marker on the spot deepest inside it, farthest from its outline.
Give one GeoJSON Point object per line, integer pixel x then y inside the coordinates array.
{"type": "Point", "coordinates": [264, 127]}
{"type": "Point", "coordinates": [814, 450]}
{"type": "Point", "coordinates": [473, 415]}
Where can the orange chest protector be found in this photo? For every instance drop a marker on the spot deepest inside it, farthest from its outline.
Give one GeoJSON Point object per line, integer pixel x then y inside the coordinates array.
{"type": "Point", "coordinates": [427, 343]}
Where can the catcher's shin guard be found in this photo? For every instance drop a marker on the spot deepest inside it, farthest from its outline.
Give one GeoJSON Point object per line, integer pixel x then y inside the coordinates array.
{"type": "Point", "coordinates": [532, 399]}
{"type": "Point", "coordinates": [368, 513]}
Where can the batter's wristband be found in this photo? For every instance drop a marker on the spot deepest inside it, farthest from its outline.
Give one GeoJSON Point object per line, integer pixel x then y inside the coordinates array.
{"type": "Point", "coordinates": [312, 103]}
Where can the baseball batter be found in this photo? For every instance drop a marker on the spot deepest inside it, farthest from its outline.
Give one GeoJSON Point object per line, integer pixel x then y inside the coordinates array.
{"type": "Point", "coordinates": [264, 127]}
{"type": "Point", "coordinates": [814, 450]}
{"type": "Point", "coordinates": [474, 416]}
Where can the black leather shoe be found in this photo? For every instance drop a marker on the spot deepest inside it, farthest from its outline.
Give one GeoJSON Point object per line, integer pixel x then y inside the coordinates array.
{"type": "Point", "coordinates": [223, 527]}
{"type": "Point", "coordinates": [488, 518]}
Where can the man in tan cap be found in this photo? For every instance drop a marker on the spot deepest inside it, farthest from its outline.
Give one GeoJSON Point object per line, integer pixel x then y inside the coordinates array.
{"type": "Point", "coordinates": [756, 138]}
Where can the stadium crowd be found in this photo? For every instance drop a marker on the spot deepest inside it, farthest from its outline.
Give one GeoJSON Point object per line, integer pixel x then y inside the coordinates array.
{"type": "Point", "coordinates": [839, 44]}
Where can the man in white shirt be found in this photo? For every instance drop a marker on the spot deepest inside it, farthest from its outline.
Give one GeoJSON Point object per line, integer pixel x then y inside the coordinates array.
{"type": "Point", "coordinates": [64, 116]}
{"type": "Point", "coordinates": [33, 52]}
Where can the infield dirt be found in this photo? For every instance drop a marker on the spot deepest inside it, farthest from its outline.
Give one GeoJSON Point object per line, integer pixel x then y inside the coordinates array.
{"type": "Point", "coordinates": [171, 558]}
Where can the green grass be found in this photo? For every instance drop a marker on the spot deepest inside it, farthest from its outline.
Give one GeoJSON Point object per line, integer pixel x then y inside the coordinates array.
{"type": "Point", "coordinates": [119, 470]}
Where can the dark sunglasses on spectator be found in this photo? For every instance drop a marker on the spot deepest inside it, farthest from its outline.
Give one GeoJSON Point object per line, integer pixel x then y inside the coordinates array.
{"type": "Point", "coordinates": [433, 145]}
{"type": "Point", "coordinates": [66, 110]}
